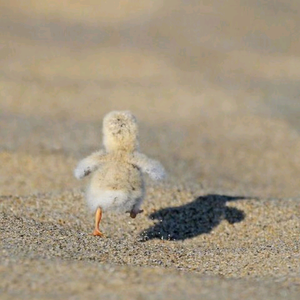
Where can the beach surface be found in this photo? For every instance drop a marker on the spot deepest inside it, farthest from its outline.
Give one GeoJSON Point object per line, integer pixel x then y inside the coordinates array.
{"type": "Point", "coordinates": [215, 89]}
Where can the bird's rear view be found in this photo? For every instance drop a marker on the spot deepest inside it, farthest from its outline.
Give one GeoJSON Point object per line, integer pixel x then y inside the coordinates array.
{"type": "Point", "coordinates": [117, 182]}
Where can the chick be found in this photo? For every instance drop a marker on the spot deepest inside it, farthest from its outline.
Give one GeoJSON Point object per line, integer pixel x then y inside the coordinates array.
{"type": "Point", "coordinates": [117, 183]}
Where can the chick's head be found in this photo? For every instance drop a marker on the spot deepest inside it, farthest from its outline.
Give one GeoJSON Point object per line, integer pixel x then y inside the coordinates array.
{"type": "Point", "coordinates": [120, 131]}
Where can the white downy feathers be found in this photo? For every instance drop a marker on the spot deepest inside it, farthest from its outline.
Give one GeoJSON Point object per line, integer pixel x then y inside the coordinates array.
{"type": "Point", "coordinates": [117, 183]}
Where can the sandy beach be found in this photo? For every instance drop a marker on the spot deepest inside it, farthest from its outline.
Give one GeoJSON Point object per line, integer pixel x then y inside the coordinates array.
{"type": "Point", "coordinates": [215, 89]}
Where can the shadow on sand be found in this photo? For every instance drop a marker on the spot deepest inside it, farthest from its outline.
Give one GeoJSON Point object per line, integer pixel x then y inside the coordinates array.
{"type": "Point", "coordinates": [192, 219]}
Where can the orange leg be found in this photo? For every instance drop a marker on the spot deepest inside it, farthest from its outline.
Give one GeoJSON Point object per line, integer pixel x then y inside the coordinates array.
{"type": "Point", "coordinates": [98, 217]}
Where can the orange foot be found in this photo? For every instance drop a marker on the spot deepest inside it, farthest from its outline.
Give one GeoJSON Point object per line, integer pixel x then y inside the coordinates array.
{"type": "Point", "coordinates": [98, 233]}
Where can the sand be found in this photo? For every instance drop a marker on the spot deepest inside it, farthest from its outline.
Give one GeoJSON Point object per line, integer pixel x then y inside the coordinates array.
{"type": "Point", "coordinates": [215, 91]}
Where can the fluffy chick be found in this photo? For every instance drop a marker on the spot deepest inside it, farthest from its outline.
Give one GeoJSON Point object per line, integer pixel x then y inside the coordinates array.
{"type": "Point", "coordinates": [117, 183]}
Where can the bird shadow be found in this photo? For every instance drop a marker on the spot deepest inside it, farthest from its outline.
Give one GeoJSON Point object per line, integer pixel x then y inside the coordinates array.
{"type": "Point", "coordinates": [192, 219]}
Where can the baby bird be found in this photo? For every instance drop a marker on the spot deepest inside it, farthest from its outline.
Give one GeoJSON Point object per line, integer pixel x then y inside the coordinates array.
{"type": "Point", "coordinates": [117, 183]}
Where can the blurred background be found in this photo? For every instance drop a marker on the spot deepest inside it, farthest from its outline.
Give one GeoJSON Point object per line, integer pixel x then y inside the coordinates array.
{"type": "Point", "coordinates": [214, 85]}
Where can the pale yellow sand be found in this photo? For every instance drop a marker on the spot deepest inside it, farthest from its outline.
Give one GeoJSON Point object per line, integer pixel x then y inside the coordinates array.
{"type": "Point", "coordinates": [215, 87]}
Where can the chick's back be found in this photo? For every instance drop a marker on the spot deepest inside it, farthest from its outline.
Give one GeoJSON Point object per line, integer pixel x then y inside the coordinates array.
{"type": "Point", "coordinates": [119, 175]}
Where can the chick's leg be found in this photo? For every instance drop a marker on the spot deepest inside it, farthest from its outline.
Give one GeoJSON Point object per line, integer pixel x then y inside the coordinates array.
{"type": "Point", "coordinates": [98, 217]}
{"type": "Point", "coordinates": [134, 212]}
